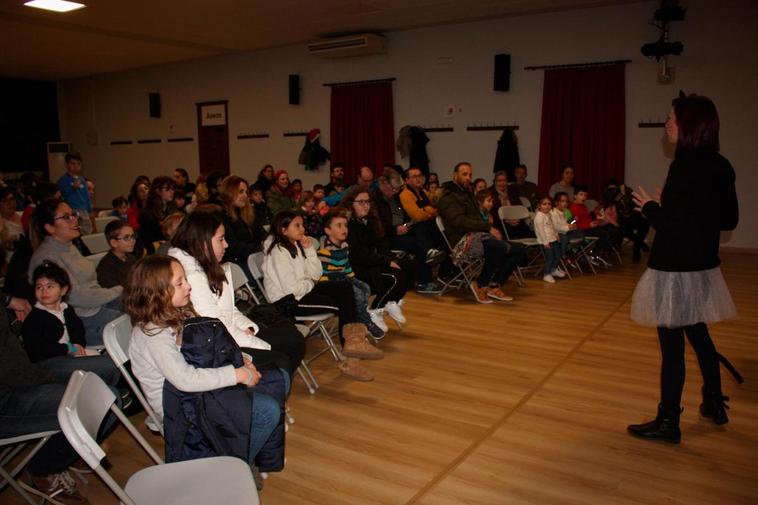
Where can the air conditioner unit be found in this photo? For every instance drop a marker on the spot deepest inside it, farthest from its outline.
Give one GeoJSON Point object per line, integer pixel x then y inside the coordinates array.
{"type": "Point", "coordinates": [56, 159]}
{"type": "Point", "coordinates": [352, 45]}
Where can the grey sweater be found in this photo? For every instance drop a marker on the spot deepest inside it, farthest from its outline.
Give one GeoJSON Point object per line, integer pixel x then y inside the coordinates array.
{"type": "Point", "coordinates": [86, 295]}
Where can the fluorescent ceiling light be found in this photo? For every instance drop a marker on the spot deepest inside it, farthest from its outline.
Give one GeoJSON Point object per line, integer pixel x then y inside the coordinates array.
{"type": "Point", "coordinates": [55, 5]}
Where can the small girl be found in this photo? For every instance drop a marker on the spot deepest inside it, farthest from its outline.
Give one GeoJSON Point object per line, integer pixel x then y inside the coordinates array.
{"type": "Point", "coordinates": [311, 215]}
{"type": "Point", "coordinates": [564, 222]}
{"type": "Point", "coordinates": [158, 301]}
{"type": "Point", "coordinates": [53, 333]}
{"type": "Point", "coordinates": [548, 237]}
{"type": "Point", "coordinates": [291, 268]}
{"type": "Point", "coordinates": [485, 201]}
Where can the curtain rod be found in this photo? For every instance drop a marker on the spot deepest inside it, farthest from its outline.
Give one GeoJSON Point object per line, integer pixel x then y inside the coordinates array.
{"type": "Point", "coordinates": [575, 65]}
{"type": "Point", "coordinates": [353, 83]}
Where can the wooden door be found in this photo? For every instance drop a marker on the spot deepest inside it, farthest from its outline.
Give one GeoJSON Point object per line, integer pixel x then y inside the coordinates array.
{"type": "Point", "coordinates": [213, 136]}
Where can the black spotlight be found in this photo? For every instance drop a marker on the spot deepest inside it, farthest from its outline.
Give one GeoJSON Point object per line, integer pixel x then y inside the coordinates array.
{"type": "Point", "coordinates": [661, 48]}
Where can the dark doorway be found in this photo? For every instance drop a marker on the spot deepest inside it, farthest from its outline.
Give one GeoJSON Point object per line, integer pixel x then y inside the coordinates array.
{"type": "Point", "coordinates": [213, 136]}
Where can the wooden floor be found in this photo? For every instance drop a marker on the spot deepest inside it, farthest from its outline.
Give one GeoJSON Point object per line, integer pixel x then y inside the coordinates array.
{"type": "Point", "coordinates": [524, 403]}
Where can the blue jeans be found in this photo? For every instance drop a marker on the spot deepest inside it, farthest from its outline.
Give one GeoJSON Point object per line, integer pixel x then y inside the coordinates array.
{"type": "Point", "coordinates": [93, 325]}
{"type": "Point", "coordinates": [552, 257]}
{"type": "Point", "coordinates": [265, 417]}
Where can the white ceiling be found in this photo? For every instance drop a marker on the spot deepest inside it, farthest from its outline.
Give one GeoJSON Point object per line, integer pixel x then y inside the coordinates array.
{"type": "Point", "coordinates": [110, 35]}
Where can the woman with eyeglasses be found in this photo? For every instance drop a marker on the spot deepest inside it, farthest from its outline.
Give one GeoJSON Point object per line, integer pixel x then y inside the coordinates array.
{"type": "Point", "coordinates": [371, 259]}
{"type": "Point", "coordinates": [114, 268]}
{"type": "Point", "coordinates": [95, 305]}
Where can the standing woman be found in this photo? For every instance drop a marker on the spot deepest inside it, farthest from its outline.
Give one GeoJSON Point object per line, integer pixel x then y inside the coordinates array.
{"type": "Point", "coordinates": [683, 289]}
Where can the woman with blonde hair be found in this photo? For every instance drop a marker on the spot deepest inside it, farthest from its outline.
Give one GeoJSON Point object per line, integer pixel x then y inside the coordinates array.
{"type": "Point", "coordinates": [239, 218]}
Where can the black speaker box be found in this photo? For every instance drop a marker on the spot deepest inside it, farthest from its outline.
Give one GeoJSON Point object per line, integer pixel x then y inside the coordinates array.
{"type": "Point", "coordinates": [294, 89]}
{"type": "Point", "coordinates": [154, 101]}
{"type": "Point", "coordinates": [502, 72]}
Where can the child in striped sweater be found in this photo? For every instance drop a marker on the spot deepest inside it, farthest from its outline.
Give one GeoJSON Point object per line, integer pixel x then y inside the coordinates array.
{"type": "Point", "coordinates": [335, 262]}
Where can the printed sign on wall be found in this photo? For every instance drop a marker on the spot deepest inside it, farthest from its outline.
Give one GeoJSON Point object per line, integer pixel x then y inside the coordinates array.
{"type": "Point", "coordinates": [213, 115]}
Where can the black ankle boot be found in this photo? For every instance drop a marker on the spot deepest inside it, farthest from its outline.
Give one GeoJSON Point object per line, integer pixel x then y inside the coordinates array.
{"type": "Point", "coordinates": [664, 427]}
{"type": "Point", "coordinates": [714, 406]}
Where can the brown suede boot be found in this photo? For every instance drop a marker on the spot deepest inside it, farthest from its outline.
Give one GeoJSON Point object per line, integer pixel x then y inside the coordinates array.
{"type": "Point", "coordinates": [356, 344]}
{"type": "Point", "coordinates": [352, 368]}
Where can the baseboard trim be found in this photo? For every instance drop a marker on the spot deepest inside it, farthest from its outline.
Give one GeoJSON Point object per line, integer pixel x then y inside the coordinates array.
{"type": "Point", "coordinates": [740, 250]}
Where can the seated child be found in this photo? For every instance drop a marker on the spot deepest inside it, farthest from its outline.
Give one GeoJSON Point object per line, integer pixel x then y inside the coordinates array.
{"type": "Point", "coordinates": [168, 226]}
{"type": "Point", "coordinates": [261, 211]}
{"type": "Point", "coordinates": [547, 236]}
{"type": "Point", "coordinates": [113, 269]}
{"type": "Point", "coordinates": [120, 208]}
{"type": "Point", "coordinates": [52, 331]}
{"type": "Point", "coordinates": [335, 262]}
{"type": "Point", "coordinates": [311, 216]}
{"type": "Point", "coordinates": [606, 234]}
{"type": "Point", "coordinates": [564, 222]}
{"type": "Point", "coordinates": [158, 300]}
{"type": "Point", "coordinates": [485, 201]}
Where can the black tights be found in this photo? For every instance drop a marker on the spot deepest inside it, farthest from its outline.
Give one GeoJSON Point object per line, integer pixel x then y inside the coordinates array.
{"type": "Point", "coordinates": [672, 364]}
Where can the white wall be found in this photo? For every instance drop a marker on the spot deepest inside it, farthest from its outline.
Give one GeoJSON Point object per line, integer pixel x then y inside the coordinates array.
{"type": "Point", "coordinates": [718, 61]}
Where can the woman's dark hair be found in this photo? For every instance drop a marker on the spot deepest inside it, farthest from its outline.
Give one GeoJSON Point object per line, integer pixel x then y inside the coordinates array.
{"type": "Point", "coordinates": [52, 271]}
{"type": "Point", "coordinates": [698, 123]}
{"type": "Point", "coordinates": [193, 236]}
{"type": "Point", "coordinates": [134, 192]}
{"type": "Point", "coordinates": [155, 206]}
{"type": "Point", "coordinates": [44, 214]}
{"type": "Point", "coordinates": [374, 222]}
{"type": "Point", "coordinates": [281, 222]}
{"type": "Point", "coordinates": [183, 173]}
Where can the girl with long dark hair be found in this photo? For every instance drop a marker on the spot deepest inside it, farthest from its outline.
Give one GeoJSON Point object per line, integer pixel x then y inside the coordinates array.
{"type": "Point", "coordinates": [682, 291]}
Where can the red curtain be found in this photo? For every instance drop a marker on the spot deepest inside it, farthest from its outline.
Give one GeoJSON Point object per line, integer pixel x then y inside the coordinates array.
{"type": "Point", "coordinates": [583, 124]}
{"type": "Point", "coordinates": [362, 127]}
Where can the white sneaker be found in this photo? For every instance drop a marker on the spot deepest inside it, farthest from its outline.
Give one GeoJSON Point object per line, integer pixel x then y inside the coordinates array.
{"type": "Point", "coordinates": [401, 303]}
{"type": "Point", "coordinates": [549, 279]}
{"type": "Point", "coordinates": [395, 312]}
{"type": "Point", "coordinates": [558, 273]}
{"type": "Point", "coordinates": [377, 317]}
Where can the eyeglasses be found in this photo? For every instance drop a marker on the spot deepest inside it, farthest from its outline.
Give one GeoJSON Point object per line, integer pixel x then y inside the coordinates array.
{"type": "Point", "coordinates": [417, 176]}
{"type": "Point", "coordinates": [362, 202]}
{"type": "Point", "coordinates": [127, 238]}
{"type": "Point", "coordinates": [68, 217]}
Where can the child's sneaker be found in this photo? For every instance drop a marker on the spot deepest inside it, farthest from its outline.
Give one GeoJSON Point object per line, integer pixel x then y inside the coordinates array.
{"type": "Point", "coordinates": [558, 273]}
{"type": "Point", "coordinates": [377, 317]}
{"type": "Point", "coordinates": [549, 279]}
{"type": "Point", "coordinates": [375, 331]}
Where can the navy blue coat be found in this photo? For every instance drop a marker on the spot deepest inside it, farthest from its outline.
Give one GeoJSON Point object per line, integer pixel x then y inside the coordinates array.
{"type": "Point", "coordinates": [217, 423]}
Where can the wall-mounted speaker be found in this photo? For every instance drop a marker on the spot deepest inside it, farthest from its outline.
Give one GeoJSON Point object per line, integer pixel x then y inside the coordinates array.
{"type": "Point", "coordinates": [154, 103]}
{"type": "Point", "coordinates": [502, 72]}
{"type": "Point", "coordinates": [294, 89]}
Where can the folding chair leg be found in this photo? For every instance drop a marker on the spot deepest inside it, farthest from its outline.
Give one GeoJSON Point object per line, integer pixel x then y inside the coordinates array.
{"type": "Point", "coordinates": [329, 341]}
{"type": "Point", "coordinates": [565, 268]}
{"type": "Point", "coordinates": [305, 374]}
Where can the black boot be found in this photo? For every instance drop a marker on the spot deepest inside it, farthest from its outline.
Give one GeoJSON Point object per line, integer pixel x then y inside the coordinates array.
{"type": "Point", "coordinates": [714, 406]}
{"type": "Point", "coordinates": [664, 427]}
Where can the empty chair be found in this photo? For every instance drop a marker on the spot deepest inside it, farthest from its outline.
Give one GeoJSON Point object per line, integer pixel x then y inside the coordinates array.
{"type": "Point", "coordinates": [86, 403]}
{"type": "Point", "coordinates": [96, 242]}
{"type": "Point", "coordinates": [116, 337]}
{"type": "Point", "coordinates": [102, 222]}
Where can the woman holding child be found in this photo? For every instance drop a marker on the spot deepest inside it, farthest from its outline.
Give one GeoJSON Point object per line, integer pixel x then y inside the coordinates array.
{"type": "Point", "coordinates": [683, 289]}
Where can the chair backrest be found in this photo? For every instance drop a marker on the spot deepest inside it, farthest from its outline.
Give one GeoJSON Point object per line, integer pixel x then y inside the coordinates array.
{"type": "Point", "coordinates": [102, 221]}
{"type": "Point", "coordinates": [96, 242]}
{"type": "Point", "coordinates": [117, 335]}
{"type": "Point", "coordinates": [255, 264]}
{"type": "Point", "coordinates": [95, 258]}
{"type": "Point", "coordinates": [525, 202]}
{"type": "Point", "coordinates": [84, 406]}
{"type": "Point", "coordinates": [441, 228]}
{"type": "Point", "coordinates": [315, 242]}
{"type": "Point", "coordinates": [510, 212]}
{"type": "Point", "coordinates": [591, 205]}
{"type": "Point", "coordinates": [105, 213]}
{"type": "Point", "coordinates": [239, 279]}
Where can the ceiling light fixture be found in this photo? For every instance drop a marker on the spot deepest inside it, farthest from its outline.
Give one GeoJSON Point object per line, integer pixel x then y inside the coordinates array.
{"type": "Point", "coordinates": [55, 5]}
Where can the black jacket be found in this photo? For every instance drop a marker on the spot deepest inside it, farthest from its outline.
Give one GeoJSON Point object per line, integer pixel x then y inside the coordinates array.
{"type": "Point", "coordinates": [384, 208]}
{"type": "Point", "coordinates": [368, 254]}
{"type": "Point", "coordinates": [42, 331]}
{"type": "Point", "coordinates": [243, 239]}
{"type": "Point", "coordinates": [699, 200]}
{"type": "Point", "coordinates": [217, 423]}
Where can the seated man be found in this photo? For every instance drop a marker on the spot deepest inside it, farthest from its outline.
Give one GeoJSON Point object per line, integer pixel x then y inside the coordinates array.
{"type": "Point", "coordinates": [525, 189]}
{"type": "Point", "coordinates": [417, 206]}
{"type": "Point", "coordinates": [336, 172]}
{"type": "Point", "coordinates": [460, 213]}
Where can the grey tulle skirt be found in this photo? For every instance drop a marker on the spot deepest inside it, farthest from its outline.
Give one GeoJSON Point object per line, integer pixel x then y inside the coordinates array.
{"type": "Point", "coordinates": [676, 299]}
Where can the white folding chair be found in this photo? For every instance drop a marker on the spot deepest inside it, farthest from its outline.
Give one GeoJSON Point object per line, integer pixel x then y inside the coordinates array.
{"type": "Point", "coordinates": [519, 212]}
{"type": "Point", "coordinates": [117, 335]}
{"type": "Point", "coordinates": [13, 446]}
{"type": "Point", "coordinates": [526, 203]}
{"type": "Point", "coordinates": [591, 205]}
{"type": "Point", "coordinates": [95, 258]}
{"type": "Point", "coordinates": [315, 324]}
{"type": "Point", "coordinates": [239, 279]}
{"type": "Point", "coordinates": [86, 403]}
{"type": "Point", "coordinates": [96, 242]}
{"type": "Point", "coordinates": [466, 271]}
{"type": "Point", "coordinates": [105, 213]}
{"type": "Point", "coordinates": [102, 222]}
